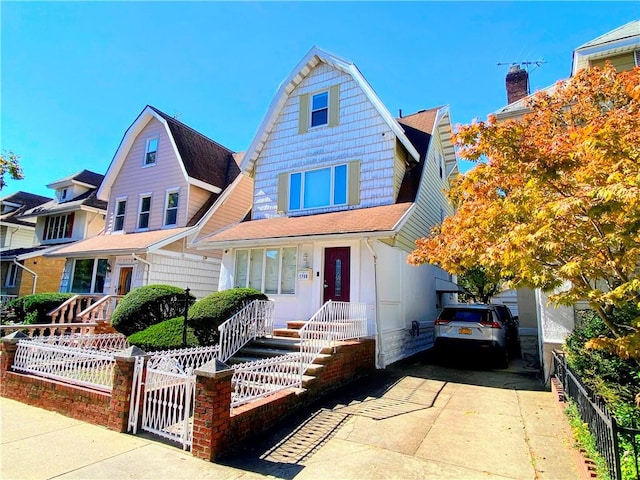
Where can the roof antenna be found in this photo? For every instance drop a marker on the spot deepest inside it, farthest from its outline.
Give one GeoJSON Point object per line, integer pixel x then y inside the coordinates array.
{"type": "Point", "coordinates": [177, 115]}
{"type": "Point", "coordinates": [527, 65]}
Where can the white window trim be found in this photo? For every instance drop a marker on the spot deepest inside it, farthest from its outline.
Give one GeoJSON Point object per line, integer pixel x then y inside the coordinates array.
{"type": "Point", "coordinates": [141, 196]}
{"type": "Point", "coordinates": [146, 151]}
{"type": "Point", "coordinates": [61, 227]}
{"type": "Point", "coordinates": [331, 188]}
{"type": "Point", "coordinates": [311, 110]}
{"type": "Point", "coordinates": [93, 274]}
{"type": "Point", "coordinates": [115, 214]}
{"type": "Point", "coordinates": [12, 276]}
{"type": "Point", "coordinates": [264, 267]}
{"type": "Point", "coordinates": [168, 192]}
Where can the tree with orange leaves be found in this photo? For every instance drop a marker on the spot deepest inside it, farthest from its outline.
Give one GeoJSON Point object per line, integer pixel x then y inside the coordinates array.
{"type": "Point", "coordinates": [553, 201]}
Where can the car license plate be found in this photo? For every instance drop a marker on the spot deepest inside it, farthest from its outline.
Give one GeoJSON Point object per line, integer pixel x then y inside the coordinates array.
{"type": "Point", "coordinates": [464, 331]}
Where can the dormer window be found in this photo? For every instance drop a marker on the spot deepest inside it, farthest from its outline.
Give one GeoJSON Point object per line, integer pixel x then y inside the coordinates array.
{"type": "Point", "coordinates": [151, 151]}
{"type": "Point", "coordinates": [320, 109]}
{"type": "Point", "coordinates": [58, 227]}
{"type": "Point", "coordinates": [63, 196]}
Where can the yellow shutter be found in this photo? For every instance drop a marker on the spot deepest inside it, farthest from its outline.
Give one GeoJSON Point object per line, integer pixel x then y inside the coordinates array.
{"type": "Point", "coordinates": [303, 119]}
{"type": "Point", "coordinates": [283, 192]}
{"type": "Point", "coordinates": [354, 183]}
{"type": "Point", "coordinates": [334, 105]}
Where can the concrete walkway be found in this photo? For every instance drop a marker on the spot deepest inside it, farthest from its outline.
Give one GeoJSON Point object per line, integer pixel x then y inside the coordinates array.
{"type": "Point", "coordinates": [413, 420]}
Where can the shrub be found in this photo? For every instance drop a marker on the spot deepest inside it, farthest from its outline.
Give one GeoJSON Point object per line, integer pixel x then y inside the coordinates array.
{"type": "Point", "coordinates": [34, 308]}
{"type": "Point", "coordinates": [146, 306]}
{"type": "Point", "coordinates": [165, 335]}
{"type": "Point", "coordinates": [207, 314]}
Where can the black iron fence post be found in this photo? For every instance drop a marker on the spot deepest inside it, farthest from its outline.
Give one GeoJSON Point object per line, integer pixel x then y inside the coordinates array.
{"type": "Point", "coordinates": [186, 313]}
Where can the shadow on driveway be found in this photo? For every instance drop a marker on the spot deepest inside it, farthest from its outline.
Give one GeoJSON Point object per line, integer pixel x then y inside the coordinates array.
{"type": "Point", "coordinates": [409, 387]}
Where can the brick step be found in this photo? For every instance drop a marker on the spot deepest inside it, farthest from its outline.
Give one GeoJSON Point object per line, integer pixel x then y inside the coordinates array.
{"type": "Point", "coordinates": [265, 386]}
{"type": "Point", "coordinates": [286, 332]}
{"type": "Point", "coordinates": [295, 324]}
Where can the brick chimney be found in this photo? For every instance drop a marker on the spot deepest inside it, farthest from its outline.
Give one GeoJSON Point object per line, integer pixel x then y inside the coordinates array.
{"type": "Point", "coordinates": [517, 83]}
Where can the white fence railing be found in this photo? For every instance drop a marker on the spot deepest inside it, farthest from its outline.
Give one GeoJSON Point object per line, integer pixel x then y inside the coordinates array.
{"type": "Point", "coordinates": [73, 365]}
{"type": "Point", "coordinates": [254, 320]}
{"type": "Point", "coordinates": [106, 342]}
{"type": "Point", "coordinates": [335, 321]}
{"type": "Point", "coordinates": [253, 380]}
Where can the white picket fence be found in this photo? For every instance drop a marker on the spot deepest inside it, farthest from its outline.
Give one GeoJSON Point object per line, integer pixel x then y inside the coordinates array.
{"type": "Point", "coordinates": [70, 364]}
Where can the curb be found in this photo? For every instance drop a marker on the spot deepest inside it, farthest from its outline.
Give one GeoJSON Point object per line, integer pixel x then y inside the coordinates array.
{"type": "Point", "coordinates": [586, 466]}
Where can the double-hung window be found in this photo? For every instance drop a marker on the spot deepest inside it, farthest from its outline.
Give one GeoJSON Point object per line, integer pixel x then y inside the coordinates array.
{"type": "Point", "coordinates": [58, 227]}
{"type": "Point", "coordinates": [319, 109]}
{"type": "Point", "coordinates": [171, 209]}
{"type": "Point", "coordinates": [12, 275]}
{"type": "Point", "coordinates": [144, 211]}
{"type": "Point", "coordinates": [270, 270]}
{"type": "Point", "coordinates": [151, 151]}
{"type": "Point", "coordinates": [118, 219]}
{"type": "Point", "coordinates": [323, 187]}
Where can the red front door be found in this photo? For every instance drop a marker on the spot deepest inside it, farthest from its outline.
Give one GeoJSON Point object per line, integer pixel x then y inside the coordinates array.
{"type": "Point", "coordinates": [336, 274]}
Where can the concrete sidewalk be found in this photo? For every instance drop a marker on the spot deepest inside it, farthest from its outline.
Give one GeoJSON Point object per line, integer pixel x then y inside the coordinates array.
{"type": "Point", "coordinates": [413, 420]}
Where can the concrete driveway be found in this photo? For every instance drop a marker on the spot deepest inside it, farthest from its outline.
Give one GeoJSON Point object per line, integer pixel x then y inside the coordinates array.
{"type": "Point", "coordinates": [416, 419]}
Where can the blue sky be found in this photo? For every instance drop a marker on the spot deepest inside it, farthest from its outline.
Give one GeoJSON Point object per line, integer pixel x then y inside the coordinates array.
{"type": "Point", "coordinates": [74, 75]}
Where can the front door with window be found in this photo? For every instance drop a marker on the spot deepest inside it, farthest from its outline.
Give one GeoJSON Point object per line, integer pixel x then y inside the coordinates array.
{"type": "Point", "coordinates": [336, 274]}
{"type": "Point", "coordinates": [124, 280]}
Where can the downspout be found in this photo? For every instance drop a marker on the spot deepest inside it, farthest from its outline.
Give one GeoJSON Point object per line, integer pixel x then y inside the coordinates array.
{"type": "Point", "coordinates": [136, 257]}
{"type": "Point", "coordinates": [376, 307]}
{"type": "Point", "coordinates": [35, 275]}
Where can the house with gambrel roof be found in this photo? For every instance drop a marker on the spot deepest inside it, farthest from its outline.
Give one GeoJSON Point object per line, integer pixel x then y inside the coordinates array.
{"type": "Point", "coordinates": [342, 190]}
{"type": "Point", "coordinates": [166, 185]}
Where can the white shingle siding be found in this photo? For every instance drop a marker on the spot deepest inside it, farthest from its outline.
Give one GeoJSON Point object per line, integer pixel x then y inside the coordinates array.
{"type": "Point", "coordinates": [361, 135]}
{"type": "Point", "coordinates": [431, 200]}
{"type": "Point", "coordinates": [201, 276]}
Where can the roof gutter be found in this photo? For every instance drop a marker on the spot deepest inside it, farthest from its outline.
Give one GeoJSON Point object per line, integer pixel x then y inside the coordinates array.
{"type": "Point", "coordinates": [202, 245]}
{"type": "Point", "coordinates": [35, 275]}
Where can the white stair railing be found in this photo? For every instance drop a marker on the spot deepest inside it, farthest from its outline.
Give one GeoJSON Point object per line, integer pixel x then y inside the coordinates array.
{"type": "Point", "coordinates": [254, 320]}
{"type": "Point", "coordinates": [258, 379]}
{"type": "Point", "coordinates": [335, 321]}
{"type": "Point", "coordinates": [100, 310]}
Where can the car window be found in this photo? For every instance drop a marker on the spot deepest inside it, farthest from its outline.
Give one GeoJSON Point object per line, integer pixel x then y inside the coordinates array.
{"type": "Point", "coordinates": [460, 315]}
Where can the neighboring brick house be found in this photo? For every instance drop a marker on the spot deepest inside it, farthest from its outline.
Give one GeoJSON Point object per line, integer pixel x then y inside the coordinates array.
{"type": "Point", "coordinates": [17, 237]}
{"type": "Point", "coordinates": [342, 191]}
{"type": "Point", "coordinates": [166, 185]}
{"type": "Point", "coordinates": [74, 214]}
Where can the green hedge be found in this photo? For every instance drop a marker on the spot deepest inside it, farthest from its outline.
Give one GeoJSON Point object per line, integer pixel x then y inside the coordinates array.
{"type": "Point", "coordinates": [163, 336]}
{"type": "Point", "coordinates": [146, 306]}
{"type": "Point", "coordinates": [207, 314]}
{"type": "Point", "coordinates": [34, 308]}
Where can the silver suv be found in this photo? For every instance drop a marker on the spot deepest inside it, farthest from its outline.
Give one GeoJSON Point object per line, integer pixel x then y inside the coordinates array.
{"type": "Point", "coordinates": [467, 327]}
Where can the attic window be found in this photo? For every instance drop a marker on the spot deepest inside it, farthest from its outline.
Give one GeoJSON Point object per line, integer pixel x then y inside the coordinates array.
{"type": "Point", "coordinates": [320, 109]}
{"type": "Point", "coordinates": [64, 193]}
{"type": "Point", "coordinates": [152, 150]}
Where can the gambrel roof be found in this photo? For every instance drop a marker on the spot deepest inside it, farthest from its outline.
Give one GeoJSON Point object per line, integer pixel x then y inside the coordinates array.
{"type": "Point", "coordinates": [204, 162]}
{"type": "Point", "coordinates": [306, 65]}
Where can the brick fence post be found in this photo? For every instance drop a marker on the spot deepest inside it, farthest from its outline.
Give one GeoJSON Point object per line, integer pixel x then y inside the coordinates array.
{"type": "Point", "coordinates": [7, 355]}
{"type": "Point", "coordinates": [212, 410]}
{"type": "Point", "coordinates": [122, 388]}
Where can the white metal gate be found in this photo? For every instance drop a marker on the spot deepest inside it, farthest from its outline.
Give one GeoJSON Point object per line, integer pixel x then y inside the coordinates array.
{"type": "Point", "coordinates": [169, 393]}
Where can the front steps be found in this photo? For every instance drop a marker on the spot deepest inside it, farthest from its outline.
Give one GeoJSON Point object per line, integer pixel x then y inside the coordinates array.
{"type": "Point", "coordinates": [284, 341]}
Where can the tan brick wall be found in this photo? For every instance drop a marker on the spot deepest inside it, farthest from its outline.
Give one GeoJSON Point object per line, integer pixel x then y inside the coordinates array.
{"type": "Point", "coordinates": [49, 272]}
